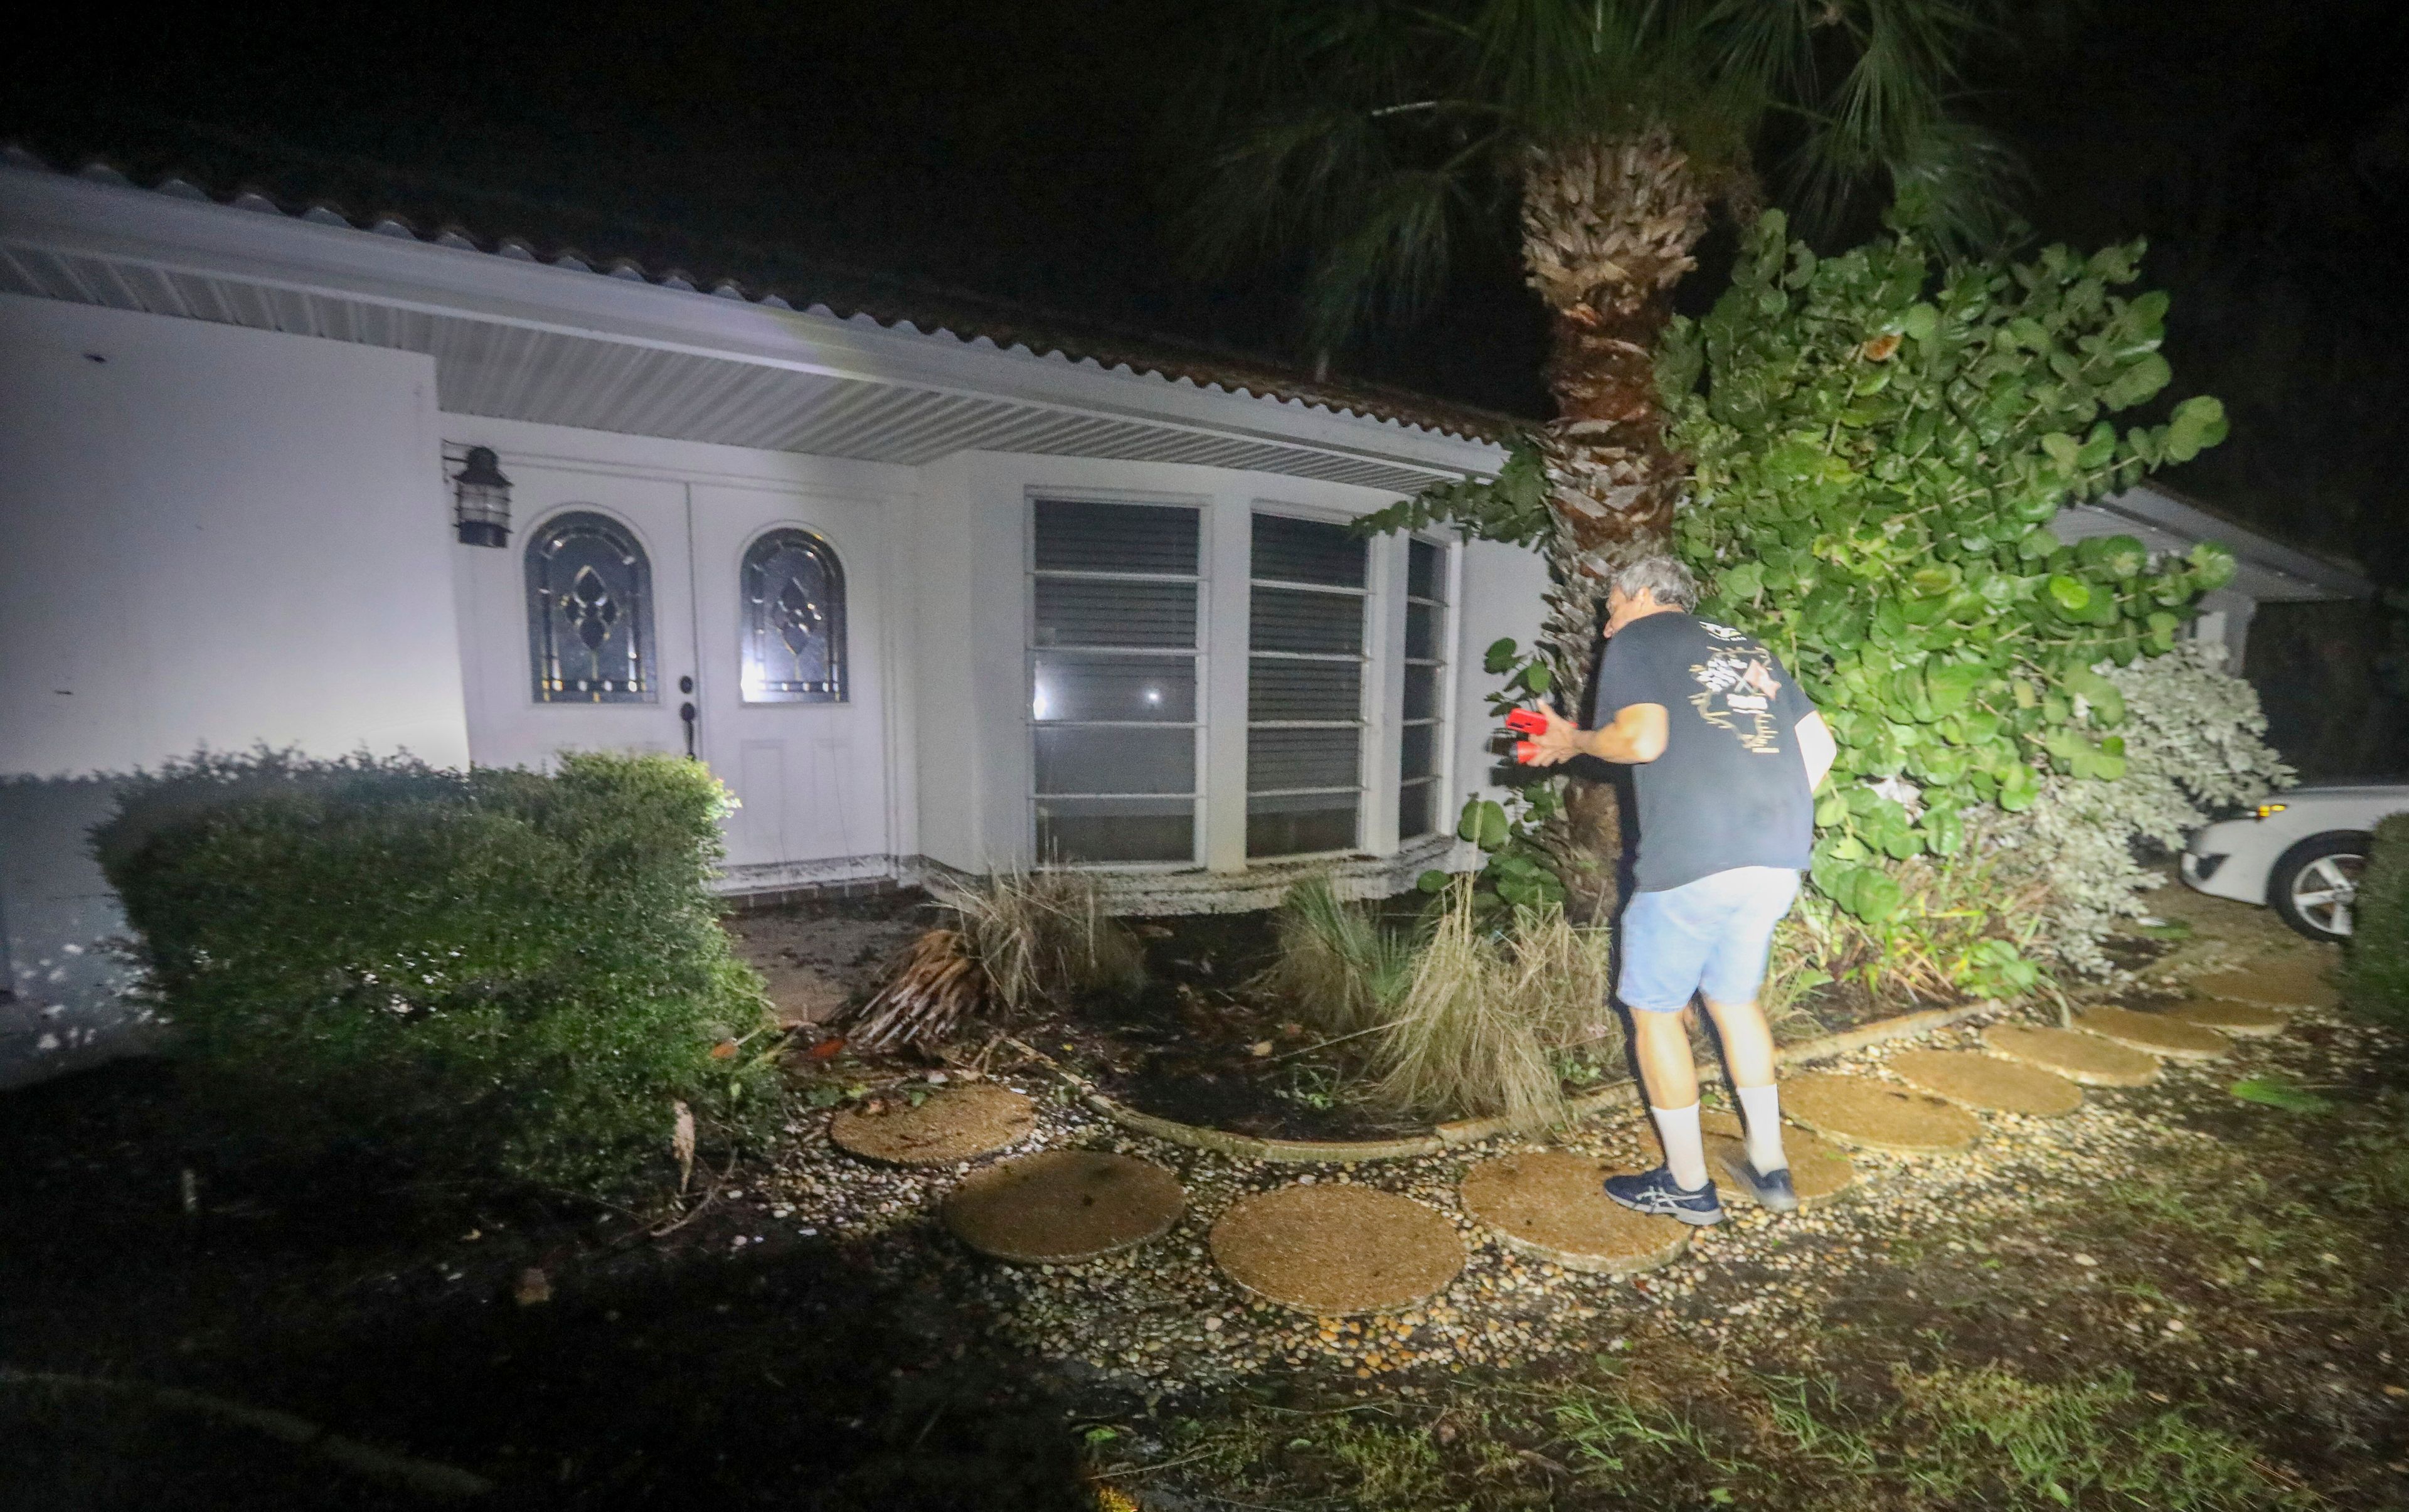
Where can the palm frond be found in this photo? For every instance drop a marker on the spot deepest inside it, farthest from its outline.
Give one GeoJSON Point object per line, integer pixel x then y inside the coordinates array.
{"type": "Point", "coordinates": [1377, 135]}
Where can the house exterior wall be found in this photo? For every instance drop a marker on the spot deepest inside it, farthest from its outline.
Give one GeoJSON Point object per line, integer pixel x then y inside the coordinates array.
{"type": "Point", "coordinates": [214, 536]}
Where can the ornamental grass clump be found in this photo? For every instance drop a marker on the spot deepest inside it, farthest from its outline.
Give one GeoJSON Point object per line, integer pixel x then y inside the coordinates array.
{"type": "Point", "coordinates": [1336, 967]}
{"type": "Point", "coordinates": [1484, 1014]}
{"type": "Point", "coordinates": [488, 976]}
{"type": "Point", "coordinates": [1017, 939]}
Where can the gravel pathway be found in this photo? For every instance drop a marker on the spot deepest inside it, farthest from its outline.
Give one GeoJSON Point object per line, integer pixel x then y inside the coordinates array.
{"type": "Point", "coordinates": [1163, 1318]}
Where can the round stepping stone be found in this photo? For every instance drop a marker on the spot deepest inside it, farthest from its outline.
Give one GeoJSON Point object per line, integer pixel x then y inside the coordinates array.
{"type": "Point", "coordinates": [1553, 1203]}
{"type": "Point", "coordinates": [1858, 1110]}
{"type": "Point", "coordinates": [952, 1123]}
{"type": "Point", "coordinates": [2078, 1057]}
{"type": "Point", "coordinates": [1333, 1248]}
{"type": "Point", "coordinates": [2242, 1020]}
{"type": "Point", "coordinates": [2152, 1032]}
{"type": "Point", "coordinates": [2289, 981]}
{"type": "Point", "coordinates": [1063, 1206]}
{"type": "Point", "coordinates": [1819, 1172]}
{"type": "Point", "coordinates": [1979, 1081]}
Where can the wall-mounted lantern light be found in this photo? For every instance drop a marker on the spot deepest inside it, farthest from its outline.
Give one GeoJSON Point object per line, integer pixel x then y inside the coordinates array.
{"type": "Point", "coordinates": [481, 500]}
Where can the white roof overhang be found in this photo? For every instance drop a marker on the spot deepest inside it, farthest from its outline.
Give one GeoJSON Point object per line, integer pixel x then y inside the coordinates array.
{"type": "Point", "coordinates": [2266, 570]}
{"type": "Point", "coordinates": [515, 339]}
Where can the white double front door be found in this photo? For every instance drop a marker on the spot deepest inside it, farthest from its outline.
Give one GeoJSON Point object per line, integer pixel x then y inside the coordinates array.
{"type": "Point", "coordinates": [625, 615]}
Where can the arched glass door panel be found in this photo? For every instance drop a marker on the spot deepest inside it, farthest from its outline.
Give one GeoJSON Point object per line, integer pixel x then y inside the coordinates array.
{"type": "Point", "coordinates": [590, 612]}
{"type": "Point", "coordinates": [793, 597]}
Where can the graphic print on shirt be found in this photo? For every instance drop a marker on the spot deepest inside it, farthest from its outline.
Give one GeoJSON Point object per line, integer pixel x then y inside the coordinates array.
{"type": "Point", "coordinates": [1738, 690]}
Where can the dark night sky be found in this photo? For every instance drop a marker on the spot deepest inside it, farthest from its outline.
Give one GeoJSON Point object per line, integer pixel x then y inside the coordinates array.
{"type": "Point", "coordinates": [1018, 149]}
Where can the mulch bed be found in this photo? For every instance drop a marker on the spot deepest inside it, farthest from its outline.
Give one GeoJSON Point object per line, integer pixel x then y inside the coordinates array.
{"type": "Point", "coordinates": [1198, 1046]}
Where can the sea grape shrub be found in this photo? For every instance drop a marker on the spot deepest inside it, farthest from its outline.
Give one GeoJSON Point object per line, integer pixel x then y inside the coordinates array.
{"type": "Point", "coordinates": [490, 975]}
{"type": "Point", "coordinates": [1878, 452]}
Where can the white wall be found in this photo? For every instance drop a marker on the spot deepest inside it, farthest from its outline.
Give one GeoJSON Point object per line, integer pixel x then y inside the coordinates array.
{"type": "Point", "coordinates": [1501, 589]}
{"type": "Point", "coordinates": [217, 536]}
{"type": "Point", "coordinates": [208, 536]}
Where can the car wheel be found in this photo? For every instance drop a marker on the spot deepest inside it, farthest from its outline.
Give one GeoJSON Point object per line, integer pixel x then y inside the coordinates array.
{"type": "Point", "coordinates": [2315, 883]}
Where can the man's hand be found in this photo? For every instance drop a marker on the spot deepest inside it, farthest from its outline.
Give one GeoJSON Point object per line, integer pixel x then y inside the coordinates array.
{"type": "Point", "coordinates": [1558, 742]}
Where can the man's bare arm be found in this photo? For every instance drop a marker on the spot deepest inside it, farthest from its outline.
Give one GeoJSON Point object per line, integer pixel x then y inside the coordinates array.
{"type": "Point", "coordinates": [1636, 735]}
{"type": "Point", "coordinates": [1817, 747]}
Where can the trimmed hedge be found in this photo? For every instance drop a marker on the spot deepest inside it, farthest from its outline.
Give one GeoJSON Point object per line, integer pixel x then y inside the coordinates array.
{"type": "Point", "coordinates": [481, 975]}
{"type": "Point", "coordinates": [2375, 982]}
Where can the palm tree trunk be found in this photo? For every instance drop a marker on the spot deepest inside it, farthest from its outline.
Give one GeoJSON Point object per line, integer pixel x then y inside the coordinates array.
{"type": "Point", "coordinates": [1609, 225]}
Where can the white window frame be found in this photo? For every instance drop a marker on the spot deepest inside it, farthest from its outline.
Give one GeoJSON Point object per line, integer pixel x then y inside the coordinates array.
{"type": "Point", "coordinates": [1198, 721]}
{"type": "Point", "coordinates": [1440, 781]}
{"type": "Point", "coordinates": [1367, 659]}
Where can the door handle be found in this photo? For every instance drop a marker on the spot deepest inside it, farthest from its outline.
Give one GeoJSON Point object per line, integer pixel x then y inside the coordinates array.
{"type": "Point", "coordinates": [685, 712]}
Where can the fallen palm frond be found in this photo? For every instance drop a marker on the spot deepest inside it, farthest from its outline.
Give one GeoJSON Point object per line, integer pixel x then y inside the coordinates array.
{"type": "Point", "coordinates": [1038, 935]}
{"type": "Point", "coordinates": [1336, 967]}
{"type": "Point", "coordinates": [937, 986]}
{"type": "Point", "coordinates": [1017, 940]}
{"type": "Point", "coordinates": [1482, 1014]}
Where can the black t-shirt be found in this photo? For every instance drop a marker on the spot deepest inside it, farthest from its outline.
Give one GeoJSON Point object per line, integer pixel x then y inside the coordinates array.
{"type": "Point", "coordinates": [1731, 788]}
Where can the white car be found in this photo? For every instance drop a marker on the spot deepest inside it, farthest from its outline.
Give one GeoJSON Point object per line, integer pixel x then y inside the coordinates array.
{"type": "Point", "coordinates": [2301, 853]}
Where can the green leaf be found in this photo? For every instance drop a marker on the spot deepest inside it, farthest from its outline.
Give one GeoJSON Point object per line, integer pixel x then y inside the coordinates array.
{"type": "Point", "coordinates": [2137, 381]}
{"type": "Point", "coordinates": [1493, 828]}
{"type": "Point", "coordinates": [1870, 895]}
{"type": "Point", "coordinates": [1746, 580]}
{"type": "Point", "coordinates": [2212, 562]}
{"type": "Point", "coordinates": [2062, 449]}
{"type": "Point", "coordinates": [2123, 557]}
{"type": "Point", "coordinates": [1433, 881]}
{"type": "Point", "coordinates": [2197, 424]}
{"type": "Point", "coordinates": [1499, 656]}
{"type": "Point", "coordinates": [2277, 1091]}
{"type": "Point", "coordinates": [1538, 678]}
{"type": "Point", "coordinates": [1920, 321]}
{"type": "Point", "coordinates": [2071, 594]}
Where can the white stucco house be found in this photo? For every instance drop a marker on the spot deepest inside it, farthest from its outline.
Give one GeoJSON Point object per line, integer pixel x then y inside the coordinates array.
{"type": "Point", "coordinates": [924, 592]}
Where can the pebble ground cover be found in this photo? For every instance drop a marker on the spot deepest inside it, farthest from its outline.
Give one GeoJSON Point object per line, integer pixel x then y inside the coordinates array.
{"type": "Point", "coordinates": [2169, 1298]}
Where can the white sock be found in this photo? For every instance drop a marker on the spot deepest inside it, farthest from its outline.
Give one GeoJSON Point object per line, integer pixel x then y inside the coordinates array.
{"type": "Point", "coordinates": [1760, 1109]}
{"type": "Point", "coordinates": [1685, 1149]}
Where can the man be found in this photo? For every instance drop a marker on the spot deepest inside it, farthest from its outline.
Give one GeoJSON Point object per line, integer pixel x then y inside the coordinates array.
{"type": "Point", "coordinates": [1727, 755]}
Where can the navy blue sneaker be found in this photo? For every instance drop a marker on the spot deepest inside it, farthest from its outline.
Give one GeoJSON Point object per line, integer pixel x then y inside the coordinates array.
{"type": "Point", "coordinates": [1656, 1192]}
{"type": "Point", "coordinates": [1772, 1190]}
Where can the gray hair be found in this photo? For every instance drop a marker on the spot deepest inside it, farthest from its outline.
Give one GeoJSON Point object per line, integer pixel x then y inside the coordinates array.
{"type": "Point", "coordinates": [1667, 579]}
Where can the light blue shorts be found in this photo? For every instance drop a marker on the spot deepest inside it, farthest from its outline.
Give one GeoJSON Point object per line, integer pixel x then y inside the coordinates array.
{"type": "Point", "coordinates": [1708, 936]}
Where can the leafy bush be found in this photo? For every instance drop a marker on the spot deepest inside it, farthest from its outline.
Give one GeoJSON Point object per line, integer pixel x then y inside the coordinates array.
{"type": "Point", "coordinates": [2375, 983]}
{"type": "Point", "coordinates": [2193, 743]}
{"type": "Point", "coordinates": [1877, 459]}
{"type": "Point", "coordinates": [475, 975]}
{"type": "Point", "coordinates": [1961, 927]}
